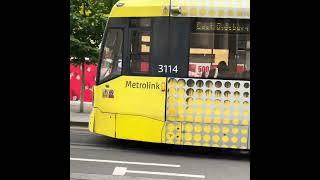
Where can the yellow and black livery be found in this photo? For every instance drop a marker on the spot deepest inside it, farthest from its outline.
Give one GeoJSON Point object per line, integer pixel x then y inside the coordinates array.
{"type": "Point", "coordinates": [145, 88]}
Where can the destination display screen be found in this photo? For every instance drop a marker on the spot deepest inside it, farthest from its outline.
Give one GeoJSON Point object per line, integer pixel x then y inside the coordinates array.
{"type": "Point", "coordinates": [222, 26]}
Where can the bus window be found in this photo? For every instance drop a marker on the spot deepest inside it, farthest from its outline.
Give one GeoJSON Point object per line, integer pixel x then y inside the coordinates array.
{"type": "Point", "coordinates": [111, 63]}
{"type": "Point", "coordinates": [220, 48]}
{"type": "Point", "coordinates": [140, 51]}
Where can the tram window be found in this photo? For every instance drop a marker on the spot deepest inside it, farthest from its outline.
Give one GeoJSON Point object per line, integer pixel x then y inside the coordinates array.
{"type": "Point", "coordinates": [111, 63]}
{"type": "Point", "coordinates": [220, 48]}
{"type": "Point", "coordinates": [140, 51]}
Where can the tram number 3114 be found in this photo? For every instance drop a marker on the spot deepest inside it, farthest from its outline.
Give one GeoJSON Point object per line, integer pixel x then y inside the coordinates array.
{"type": "Point", "coordinates": [167, 68]}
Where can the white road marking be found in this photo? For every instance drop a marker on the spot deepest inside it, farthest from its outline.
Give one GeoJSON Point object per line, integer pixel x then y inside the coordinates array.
{"type": "Point", "coordinates": [125, 162]}
{"type": "Point", "coordinates": [121, 171]}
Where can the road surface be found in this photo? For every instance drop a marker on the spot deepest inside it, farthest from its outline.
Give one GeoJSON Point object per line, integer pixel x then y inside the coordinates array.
{"type": "Point", "coordinates": [97, 157]}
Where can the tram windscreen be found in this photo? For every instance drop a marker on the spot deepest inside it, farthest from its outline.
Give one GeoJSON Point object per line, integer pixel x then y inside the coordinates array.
{"type": "Point", "coordinates": [111, 61]}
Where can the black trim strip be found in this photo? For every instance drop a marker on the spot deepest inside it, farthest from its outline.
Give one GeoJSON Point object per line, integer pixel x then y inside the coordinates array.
{"type": "Point", "coordinates": [126, 70]}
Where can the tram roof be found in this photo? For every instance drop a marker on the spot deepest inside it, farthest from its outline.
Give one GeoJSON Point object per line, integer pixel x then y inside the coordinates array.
{"type": "Point", "coordinates": [182, 8]}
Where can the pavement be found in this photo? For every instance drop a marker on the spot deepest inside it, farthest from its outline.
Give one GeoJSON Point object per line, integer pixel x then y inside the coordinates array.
{"type": "Point", "coordinates": [76, 116]}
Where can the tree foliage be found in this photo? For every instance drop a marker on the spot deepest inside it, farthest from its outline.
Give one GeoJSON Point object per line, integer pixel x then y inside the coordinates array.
{"type": "Point", "coordinates": [87, 21]}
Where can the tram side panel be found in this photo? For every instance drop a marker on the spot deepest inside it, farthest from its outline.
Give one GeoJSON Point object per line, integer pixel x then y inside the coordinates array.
{"type": "Point", "coordinates": [207, 112]}
{"type": "Point", "coordinates": [197, 112]}
{"type": "Point", "coordinates": [130, 107]}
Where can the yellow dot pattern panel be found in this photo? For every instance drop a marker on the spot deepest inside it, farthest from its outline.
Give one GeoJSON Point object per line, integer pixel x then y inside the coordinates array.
{"type": "Point", "coordinates": [212, 8]}
{"type": "Point", "coordinates": [194, 101]}
{"type": "Point", "coordinates": [208, 112]}
{"type": "Point", "coordinates": [215, 135]}
{"type": "Point", "coordinates": [173, 133]}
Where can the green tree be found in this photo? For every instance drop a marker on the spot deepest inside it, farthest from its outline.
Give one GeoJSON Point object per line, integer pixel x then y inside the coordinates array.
{"type": "Point", "coordinates": [87, 21]}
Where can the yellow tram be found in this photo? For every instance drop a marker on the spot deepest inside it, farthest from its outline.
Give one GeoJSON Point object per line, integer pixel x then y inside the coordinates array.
{"type": "Point", "coordinates": [175, 72]}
